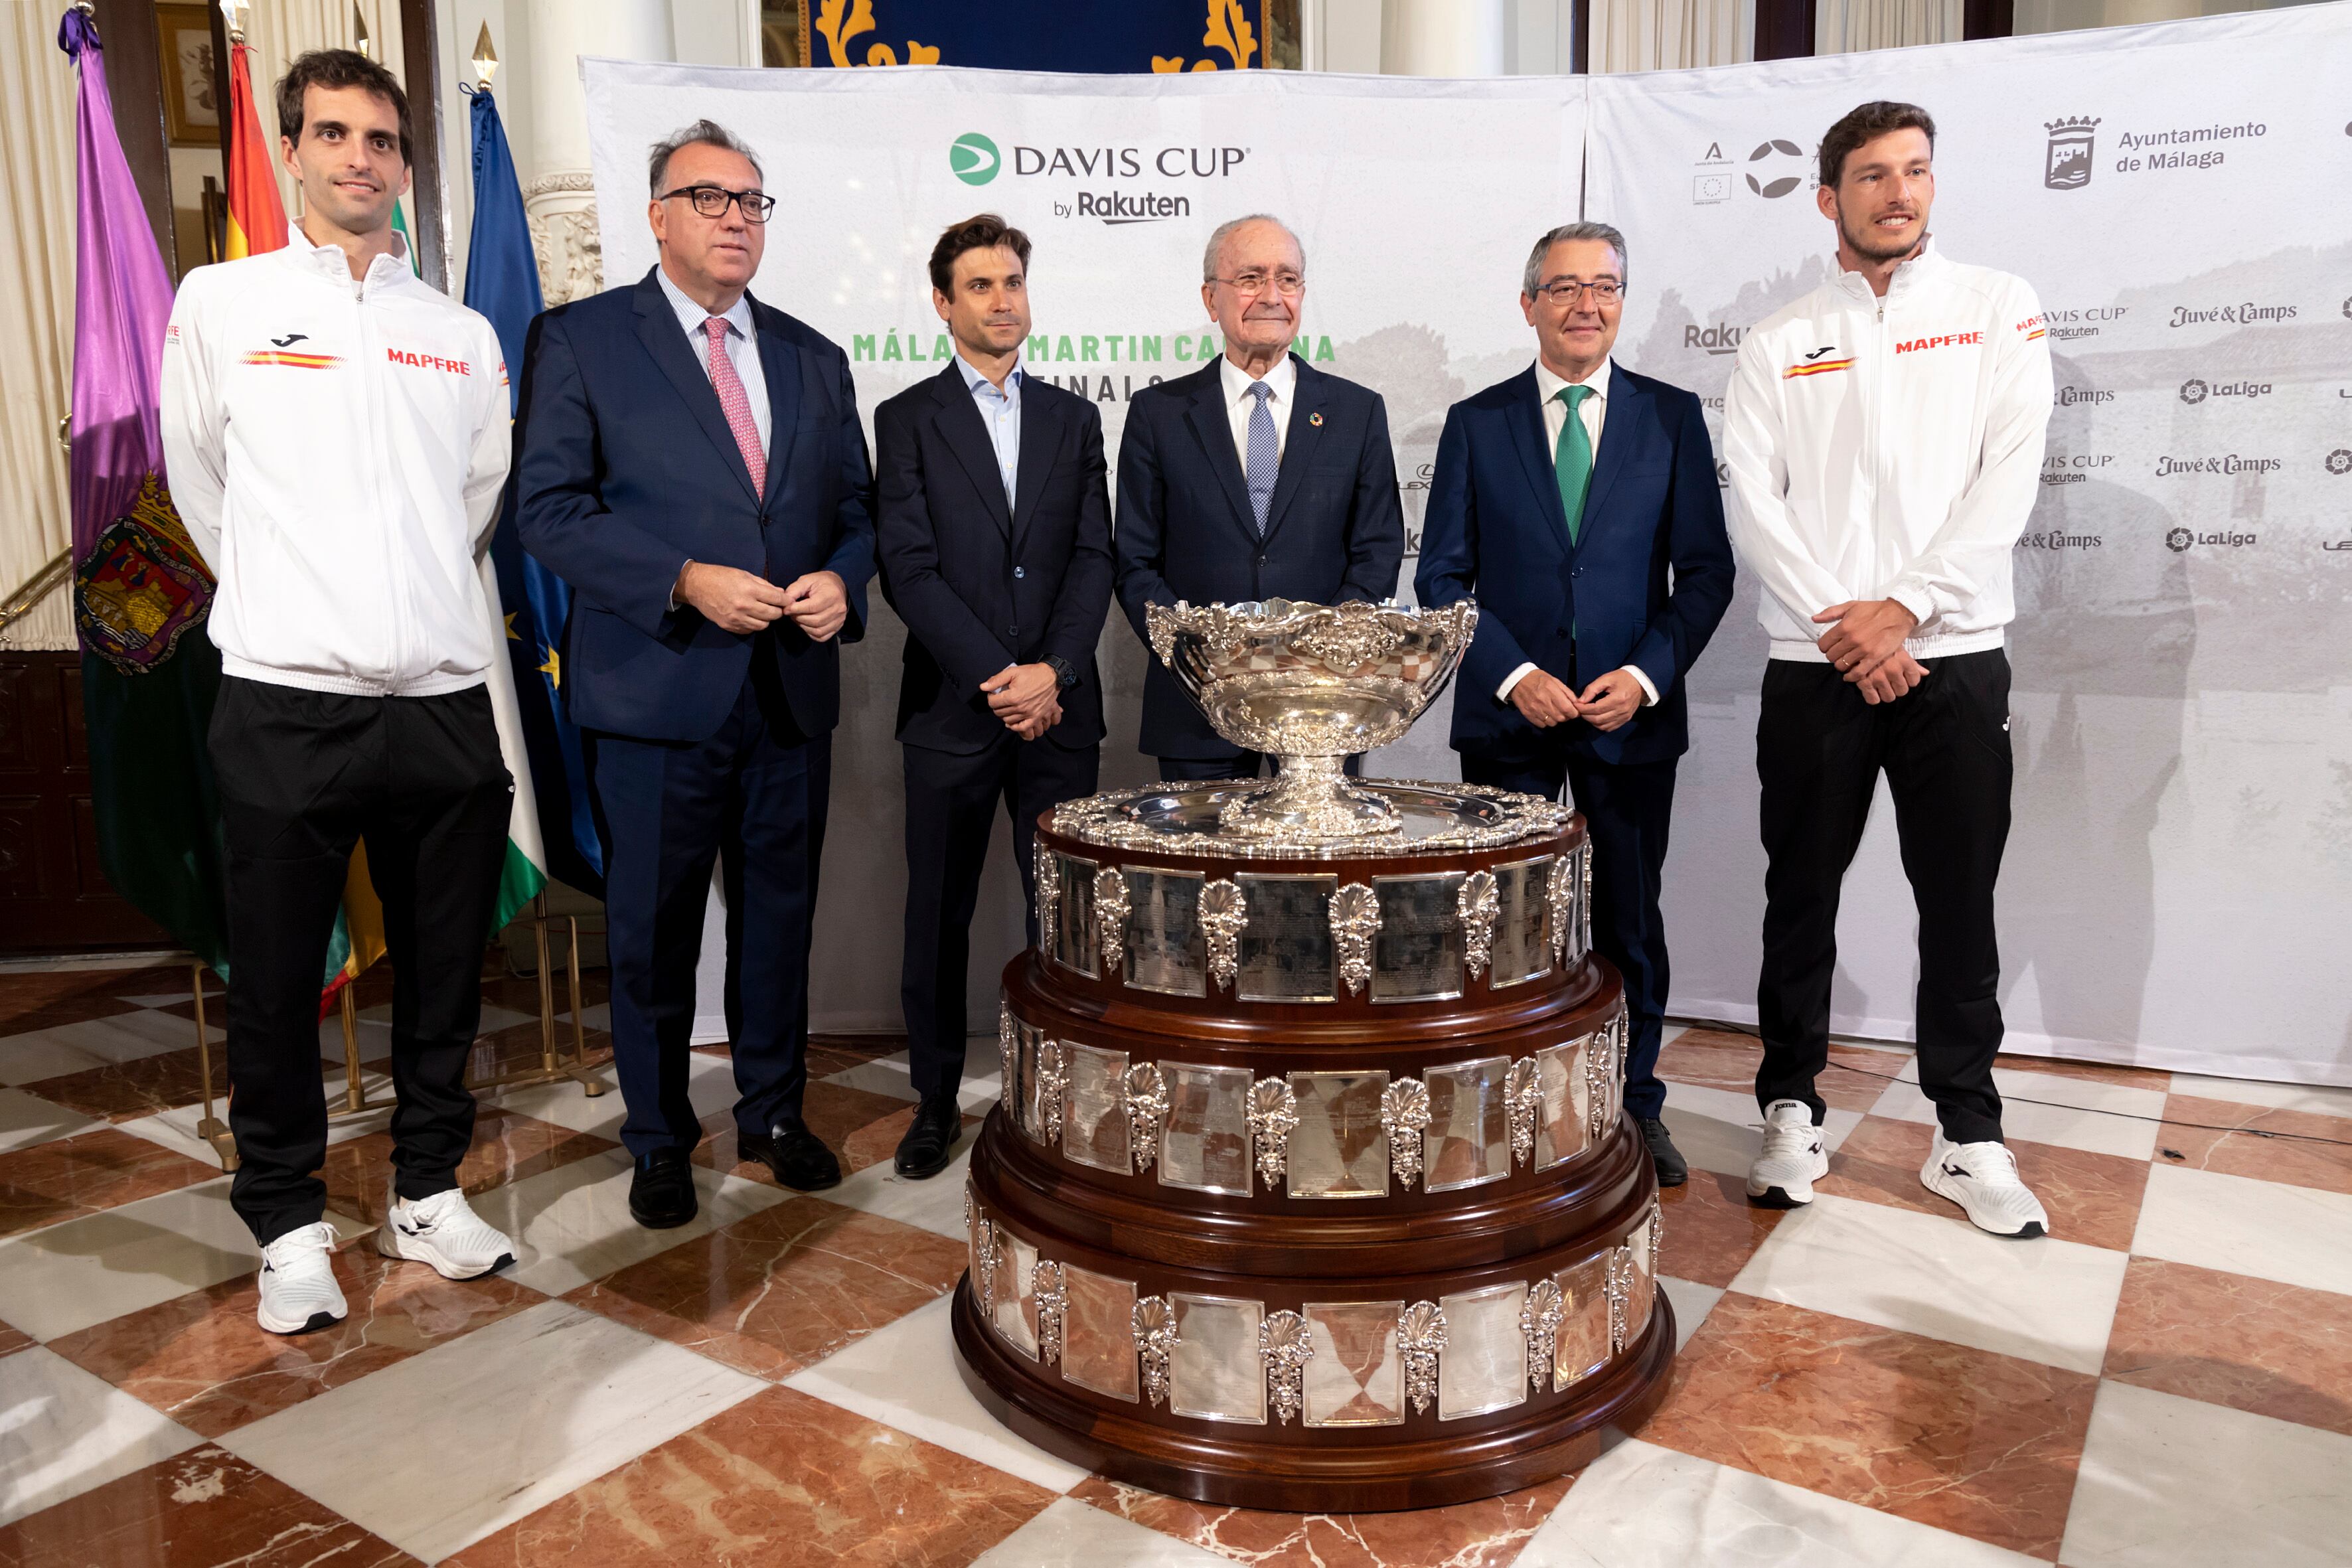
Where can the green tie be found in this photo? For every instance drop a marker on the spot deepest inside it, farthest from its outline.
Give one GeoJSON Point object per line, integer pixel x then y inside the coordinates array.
{"type": "Point", "coordinates": [1573, 460]}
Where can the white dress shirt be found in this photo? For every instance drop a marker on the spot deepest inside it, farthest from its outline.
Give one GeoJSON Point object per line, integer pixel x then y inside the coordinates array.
{"type": "Point", "coordinates": [1594, 411]}
{"type": "Point", "coordinates": [999, 410]}
{"type": "Point", "coordinates": [1239, 404]}
{"type": "Point", "coordinates": [743, 349]}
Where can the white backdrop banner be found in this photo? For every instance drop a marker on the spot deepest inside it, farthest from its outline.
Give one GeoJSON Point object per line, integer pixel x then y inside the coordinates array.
{"type": "Point", "coordinates": [2176, 886]}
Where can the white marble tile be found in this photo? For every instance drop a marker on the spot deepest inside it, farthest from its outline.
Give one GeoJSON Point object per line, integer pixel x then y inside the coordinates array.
{"type": "Point", "coordinates": [2320, 1100]}
{"type": "Point", "coordinates": [934, 1204]}
{"type": "Point", "coordinates": [2045, 1300]}
{"type": "Point", "coordinates": [573, 1223]}
{"type": "Point", "coordinates": [1693, 1301]}
{"type": "Point", "coordinates": [439, 1450]}
{"type": "Point", "coordinates": [2101, 1117]}
{"type": "Point", "coordinates": [64, 1049]}
{"type": "Point", "coordinates": [709, 1085]}
{"type": "Point", "coordinates": [1072, 1534]}
{"type": "Point", "coordinates": [63, 1431]}
{"type": "Point", "coordinates": [906, 1376]}
{"type": "Point", "coordinates": [27, 1118]}
{"type": "Point", "coordinates": [172, 998]}
{"type": "Point", "coordinates": [2167, 1482]}
{"type": "Point", "coordinates": [1719, 1131]}
{"type": "Point", "coordinates": [2297, 1236]}
{"type": "Point", "coordinates": [177, 1129]}
{"type": "Point", "coordinates": [1640, 1506]}
{"type": "Point", "coordinates": [69, 1275]}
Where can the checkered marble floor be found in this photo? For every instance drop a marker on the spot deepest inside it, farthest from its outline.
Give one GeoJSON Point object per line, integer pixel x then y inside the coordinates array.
{"type": "Point", "coordinates": [2167, 1379]}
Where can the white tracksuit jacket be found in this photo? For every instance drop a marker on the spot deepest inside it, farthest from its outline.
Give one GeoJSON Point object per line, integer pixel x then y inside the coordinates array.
{"type": "Point", "coordinates": [337, 448]}
{"type": "Point", "coordinates": [1890, 450]}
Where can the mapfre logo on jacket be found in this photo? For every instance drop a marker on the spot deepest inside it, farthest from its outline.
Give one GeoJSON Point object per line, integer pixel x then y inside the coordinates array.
{"type": "Point", "coordinates": [417, 361]}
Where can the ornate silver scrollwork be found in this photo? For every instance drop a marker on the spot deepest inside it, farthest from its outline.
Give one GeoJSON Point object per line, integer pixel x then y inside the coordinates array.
{"type": "Point", "coordinates": [1480, 905]}
{"type": "Point", "coordinates": [988, 1256]}
{"type": "Point", "coordinates": [1421, 1336]}
{"type": "Point", "coordinates": [1053, 1080]}
{"type": "Point", "coordinates": [1048, 880]}
{"type": "Point", "coordinates": [1599, 1081]}
{"type": "Point", "coordinates": [1404, 1115]}
{"type": "Point", "coordinates": [1273, 1117]}
{"type": "Point", "coordinates": [1557, 896]}
{"type": "Point", "coordinates": [1053, 1298]}
{"type": "Point", "coordinates": [1147, 1107]}
{"type": "Point", "coordinates": [1008, 1049]}
{"type": "Point", "coordinates": [1619, 1284]}
{"type": "Point", "coordinates": [1584, 897]}
{"type": "Point", "coordinates": [1155, 1339]}
{"type": "Point", "coordinates": [1523, 1098]}
{"type": "Point", "coordinates": [1540, 1321]}
{"type": "Point", "coordinates": [1286, 1348]}
{"type": "Point", "coordinates": [1224, 913]}
{"type": "Point", "coordinates": [1355, 920]}
{"type": "Point", "coordinates": [1110, 916]}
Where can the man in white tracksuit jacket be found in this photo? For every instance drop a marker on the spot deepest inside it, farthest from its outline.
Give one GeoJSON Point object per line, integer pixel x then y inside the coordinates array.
{"type": "Point", "coordinates": [1883, 435]}
{"type": "Point", "coordinates": [337, 434]}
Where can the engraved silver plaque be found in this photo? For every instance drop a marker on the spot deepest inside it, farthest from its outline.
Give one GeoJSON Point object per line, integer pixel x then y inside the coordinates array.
{"type": "Point", "coordinates": [1417, 955]}
{"type": "Point", "coordinates": [1099, 1332]}
{"type": "Point", "coordinates": [1355, 1377]}
{"type": "Point", "coordinates": [1094, 1108]}
{"type": "Point", "coordinates": [1204, 1144]}
{"type": "Point", "coordinates": [1583, 1344]}
{"type": "Point", "coordinates": [1286, 953]}
{"type": "Point", "coordinates": [1340, 1149]}
{"type": "Point", "coordinates": [1469, 1139]}
{"type": "Point", "coordinates": [1522, 923]}
{"type": "Point", "coordinates": [1485, 1367]}
{"type": "Point", "coordinates": [1013, 1314]}
{"type": "Point", "coordinates": [1071, 942]}
{"type": "Point", "coordinates": [1164, 949]}
{"type": "Point", "coordinates": [1213, 1371]}
{"type": "Point", "coordinates": [1562, 1129]}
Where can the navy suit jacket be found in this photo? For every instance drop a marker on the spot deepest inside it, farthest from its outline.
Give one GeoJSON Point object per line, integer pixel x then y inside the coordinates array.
{"type": "Point", "coordinates": [626, 469]}
{"type": "Point", "coordinates": [1334, 529]}
{"type": "Point", "coordinates": [981, 585]}
{"type": "Point", "coordinates": [1495, 530]}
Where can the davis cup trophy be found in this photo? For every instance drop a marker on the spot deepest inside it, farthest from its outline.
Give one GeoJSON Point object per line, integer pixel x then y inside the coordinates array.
{"type": "Point", "coordinates": [1311, 1187]}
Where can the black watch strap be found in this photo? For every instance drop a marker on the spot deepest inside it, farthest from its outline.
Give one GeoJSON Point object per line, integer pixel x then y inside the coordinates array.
{"type": "Point", "coordinates": [1064, 676]}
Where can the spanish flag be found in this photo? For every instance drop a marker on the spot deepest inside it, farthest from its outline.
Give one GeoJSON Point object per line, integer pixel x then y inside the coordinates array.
{"type": "Point", "coordinates": [257, 219]}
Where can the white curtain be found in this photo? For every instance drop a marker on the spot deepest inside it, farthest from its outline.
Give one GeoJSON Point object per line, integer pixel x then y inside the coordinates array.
{"type": "Point", "coordinates": [1671, 35]}
{"type": "Point", "coordinates": [1846, 26]}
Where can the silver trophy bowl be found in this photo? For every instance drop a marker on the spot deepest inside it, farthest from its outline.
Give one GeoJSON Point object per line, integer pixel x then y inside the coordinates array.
{"type": "Point", "coordinates": [1311, 685]}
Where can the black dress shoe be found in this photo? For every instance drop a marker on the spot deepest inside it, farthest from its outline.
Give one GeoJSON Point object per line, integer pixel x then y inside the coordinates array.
{"type": "Point", "coordinates": [1672, 1169]}
{"type": "Point", "coordinates": [797, 1156]}
{"type": "Point", "coordinates": [661, 1193]}
{"type": "Point", "coordinates": [930, 1139]}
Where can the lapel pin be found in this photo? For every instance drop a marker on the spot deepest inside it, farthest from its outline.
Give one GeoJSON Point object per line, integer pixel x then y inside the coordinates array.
{"type": "Point", "coordinates": [1315, 419]}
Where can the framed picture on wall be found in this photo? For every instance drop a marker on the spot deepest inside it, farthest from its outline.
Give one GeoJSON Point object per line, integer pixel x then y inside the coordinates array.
{"type": "Point", "coordinates": [191, 112]}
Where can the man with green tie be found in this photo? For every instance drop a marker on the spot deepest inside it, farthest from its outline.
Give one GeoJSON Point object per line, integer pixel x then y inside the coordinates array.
{"type": "Point", "coordinates": [1562, 499]}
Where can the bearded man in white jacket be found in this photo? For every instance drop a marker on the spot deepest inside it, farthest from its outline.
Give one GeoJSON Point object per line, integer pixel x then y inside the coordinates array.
{"type": "Point", "coordinates": [1883, 435]}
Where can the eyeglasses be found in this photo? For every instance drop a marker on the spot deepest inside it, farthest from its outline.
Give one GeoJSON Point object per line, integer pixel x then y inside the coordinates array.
{"type": "Point", "coordinates": [1255, 282]}
{"type": "Point", "coordinates": [1605, 293]}
{"type": "Point", "coordinates": [711, 201]}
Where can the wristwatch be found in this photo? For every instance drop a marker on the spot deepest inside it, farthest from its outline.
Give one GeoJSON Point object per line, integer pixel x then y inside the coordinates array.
{"type": "Point", "coordinates": [1064, 676]}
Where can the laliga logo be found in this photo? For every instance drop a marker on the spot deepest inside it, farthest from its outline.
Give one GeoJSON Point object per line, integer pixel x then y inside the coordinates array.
{"type": "Point", "coordinates": [973, 159]}
{"type": "Point", "coordinates": [2066, 166]}
{"type": "Point", "coordinates": [2193, 390]}
{"type": "Point", "coordinates": [2340, 461]}
{"type": "Point", "coordinates": [1775, 185]}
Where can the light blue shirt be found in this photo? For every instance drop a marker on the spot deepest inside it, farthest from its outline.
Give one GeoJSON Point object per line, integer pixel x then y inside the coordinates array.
{"type": "Point", "coordinates": [743, 349]}
{"type": "Point", "coordinates": [1000, 412]}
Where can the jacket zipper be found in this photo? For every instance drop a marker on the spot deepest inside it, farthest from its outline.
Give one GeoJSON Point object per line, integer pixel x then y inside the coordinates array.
{"type": "Point", "coordinates": [373, 415]}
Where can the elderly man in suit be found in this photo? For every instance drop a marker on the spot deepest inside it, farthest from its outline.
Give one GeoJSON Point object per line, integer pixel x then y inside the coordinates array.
{"type": "Point", "coordinates": [1258, 476]}
{"type": "Point", "coordinates": [692, 464]}
{"type": "Point", "coordinates": [1578, 503]}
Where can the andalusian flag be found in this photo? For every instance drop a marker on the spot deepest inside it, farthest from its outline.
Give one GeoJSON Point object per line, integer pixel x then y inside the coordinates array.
{"type": "Point", "coordinates": [257, 219]}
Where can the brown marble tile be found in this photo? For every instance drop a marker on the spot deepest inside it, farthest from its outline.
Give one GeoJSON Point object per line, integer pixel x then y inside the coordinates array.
{"type": "Point", "coordinates": [507, 1147]}
{"type": "Point", "coordinates": [2089, 1072]}
{"type": "Point", "coordinates": [1711, 1228]}
{"type": "Point", "coordinates": [2092, 1198]}
{"type": "Point", "coordinates": [1488, 1533]}
{"type": "Point", "coordinates": [2297, 1147]}
{"type": "Point", "coordinates": [836, 1112]}
{"type": "Point", "coordinates": [43, 999]}
{"type": "Point", "coordinates": [96, 1169]}
{"type": "Point", "coordinates": [122, 1091]}
{"type": "Point", "coordinates": [2252, 1345]}
{"type": "Point", "coordinates": [205, 1509]}
{"type": "Point", "coordinates": [780, 1478]}
{"type": "Point", "coordinates": [1983, 1445]}
{"type": "Point", "coordinates": [14, 1339]}
{"type": "Point", "coordinates": [1722, 1058]}
{"type": "Point", "coordinates": [202, 1360]}
{"type": "Point", "coordinates": [782, 1289]}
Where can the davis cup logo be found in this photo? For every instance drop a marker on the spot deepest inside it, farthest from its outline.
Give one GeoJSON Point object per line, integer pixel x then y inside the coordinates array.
{"type": "Point", "coordinates": [973, 159]}
{"type": "Point", "coordinates": [2066, 166]}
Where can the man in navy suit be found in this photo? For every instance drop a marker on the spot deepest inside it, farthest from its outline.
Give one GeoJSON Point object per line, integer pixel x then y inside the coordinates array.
{"type": "Point", "coordinates": [691, 463]}
{"type": "Point", "coordinates": [994, 524]}
{"type": "Point", "coordinates": [1256, 477]}
{"type": "Point", "coordinates": [1578, 503]}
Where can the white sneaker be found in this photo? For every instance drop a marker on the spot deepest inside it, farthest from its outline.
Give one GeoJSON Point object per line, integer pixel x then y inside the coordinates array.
{"type": "Point", "coordinates": [1982, 1179]}
{"type": "Point", "coordinates": [1793, 1157]}
{"type": "Point", "coordinates": [298, 1292]}
{"type": "Point", "coordinates": [445, 1231]}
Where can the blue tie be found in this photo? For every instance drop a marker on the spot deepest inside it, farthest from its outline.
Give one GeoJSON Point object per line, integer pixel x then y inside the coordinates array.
{"type": "Point", "coordinates": [1264, 460]}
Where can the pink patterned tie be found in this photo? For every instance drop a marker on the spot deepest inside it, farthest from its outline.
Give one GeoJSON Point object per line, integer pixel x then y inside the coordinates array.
{"type": "Point", "coordinates": [738, 406]}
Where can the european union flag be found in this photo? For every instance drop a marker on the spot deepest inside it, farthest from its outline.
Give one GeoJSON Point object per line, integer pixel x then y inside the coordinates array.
{"type": "Point", "coordinates": [502, 283]}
